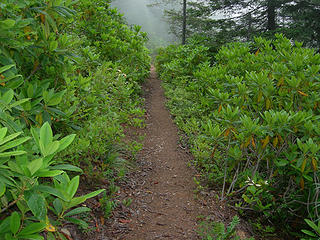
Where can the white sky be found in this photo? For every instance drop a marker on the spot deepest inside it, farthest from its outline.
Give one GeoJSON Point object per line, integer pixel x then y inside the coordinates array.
{"type": "Point", "coordinates": [150, 18]}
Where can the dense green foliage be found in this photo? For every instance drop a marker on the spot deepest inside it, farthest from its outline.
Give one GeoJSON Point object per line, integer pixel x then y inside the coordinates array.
{"type": "Point", "coordinates": [107, 96]}
{"type": "Point", "coordinates": [251, 114]}
{"type": "Point", "coordinates": [65, 67]}
{"type": "Point", "coordinates": [217, 230]}
{"type": "Point", "coordinates": [221, 21]}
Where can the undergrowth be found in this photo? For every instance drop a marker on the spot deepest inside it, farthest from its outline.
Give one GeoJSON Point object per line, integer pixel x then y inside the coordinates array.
{"type": "Point", "coordinates": [211, 230]}
{"type": "Point", "coordinates": [70, 82]}
{"type": "Point", "coordinates": [251, 116]}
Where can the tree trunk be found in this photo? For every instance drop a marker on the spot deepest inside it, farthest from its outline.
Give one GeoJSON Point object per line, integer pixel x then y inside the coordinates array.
{"type": "Point", "coordinates": [271, 15]}
{"type": "Point", "coordinates": [249, 27]}
{"type": "Point", "coordinates": [184, 23]}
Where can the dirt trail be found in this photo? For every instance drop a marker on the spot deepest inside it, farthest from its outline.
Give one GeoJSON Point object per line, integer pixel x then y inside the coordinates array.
{"type": "Point", "coordinates": [164, 206]}
{"type": "Point", "coordinates": [161, 187]}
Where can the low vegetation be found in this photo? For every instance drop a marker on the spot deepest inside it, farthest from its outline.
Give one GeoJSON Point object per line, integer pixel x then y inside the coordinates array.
{"type": "Point", "coordinates": [70, 83]}
{"type": "Point", "coordinates": [218, 231]}
{"type": "Point", "coordinates": [70, 75]}
{"type": "Point", "coordinates": [251, 115]}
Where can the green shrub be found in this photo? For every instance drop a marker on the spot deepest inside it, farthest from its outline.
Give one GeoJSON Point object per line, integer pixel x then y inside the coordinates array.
{"type": "Point", "coordinates": [104, 28]}
{"type": "Point", "coordinates": [35, 48]}
{"type": "Point", "coordinates": [106, 97]}
{"type": "Point", "coordinates": [65, 66]}
{"type": "Point", "coordinates": [252, 119]}
{"type": "Point", "coordinates": [314, 234]}
{"type": "Point", "coordinates": [24, 185]}
{"type": "Point", "coordinates": [217, 231]}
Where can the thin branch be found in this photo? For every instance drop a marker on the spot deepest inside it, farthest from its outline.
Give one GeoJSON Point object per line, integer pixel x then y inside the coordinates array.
{"type": "Point", "coordinates": [13, 203]}
{"type": "Point", "coordinates": [32, 73]}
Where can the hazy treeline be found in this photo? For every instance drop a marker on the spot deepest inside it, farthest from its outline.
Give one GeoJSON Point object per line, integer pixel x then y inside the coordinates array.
{"type": "Point", "coordinates": [150, 17]}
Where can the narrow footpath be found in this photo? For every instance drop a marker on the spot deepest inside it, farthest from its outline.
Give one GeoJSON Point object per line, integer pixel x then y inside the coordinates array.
{"type": "Point", "coordinates": [161, 186]}
{"type": "Point", "coordinates": [162, 193]}
{"type": "Point", "coordinates": [164, 203]}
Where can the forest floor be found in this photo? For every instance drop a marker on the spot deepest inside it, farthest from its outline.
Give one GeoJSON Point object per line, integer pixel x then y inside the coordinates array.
{"type": "Point", "coordinates": [166, 201]}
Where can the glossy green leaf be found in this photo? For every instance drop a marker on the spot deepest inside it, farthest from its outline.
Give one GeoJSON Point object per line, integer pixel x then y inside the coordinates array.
{"type": "Point", "coordinates": [35, 136]}
{"type": "Point", "coordinates": [57, 204]}
{"type": "Point", "coordinates": [30, 91]}
{"type": "Point", "coordinates": [5, 225]}
{"type": "Point", "coordinates": [15, 222]}
{"type": "Point", "coordinates": [48, 173]}
{"type": "Point", "coordinates": [50, 190]}
{"type": "Point", "coordinates": [32, 228]}
{"type": "Point", "coordinates": [309, 233]}
{"type": "Point", "coordinates": [51, 148]}
{"type": "Point", "coordinates": [6, 68]}
{"type": "Point", "coordinates": [19, 102]}
{"type": "Point", "coordinates": [3, 132]}
{"type": "Point", "coordinates": [77, 221]}
{"type": "Point", "coordinates": [312, 225]}
{"type": "Point", "coordinates": [73, 186]}
{"type": "Point", "coordinates": [65, 142]}
{"type": "Point", "coordinates": [33, 237]}
{"type": "Point", "coordinates": [9, 138]}
{"type": "Point", "coordinates": [14, 143]}
{"type": "Point", "coordinates": [93, 194]}
{"type": "Point", "coordinates": [67, 167]}
{"type": "Point", "coordinates": [8, 23]}
{"type": "Point", "coordinates": [46, 135]}
{"type": "Point", "coordinates": [10, 154]}
{"type": "Point", "coordinates": [37, 205]}
{"type": "Point", "coordinates": [8, 96]}
{"type": "Point", "coordinates": [78, 200]}
{"type": "Point", "coordinates": [77, 211]}
{"type": "Point", "coordinates": [2, 188]}
{"type": "Point", "coordinates": [35, 165]}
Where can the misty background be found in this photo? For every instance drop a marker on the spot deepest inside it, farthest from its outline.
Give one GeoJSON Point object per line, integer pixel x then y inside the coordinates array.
{"type": "Point", "coordinates": [150, 16]}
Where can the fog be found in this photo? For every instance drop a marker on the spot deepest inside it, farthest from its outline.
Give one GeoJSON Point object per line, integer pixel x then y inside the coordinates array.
{"type": "Point", "coordinates": [151, 18]}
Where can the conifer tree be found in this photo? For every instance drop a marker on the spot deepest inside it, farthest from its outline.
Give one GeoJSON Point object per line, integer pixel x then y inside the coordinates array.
{"type": "Point", "coordinates": [228, 20]}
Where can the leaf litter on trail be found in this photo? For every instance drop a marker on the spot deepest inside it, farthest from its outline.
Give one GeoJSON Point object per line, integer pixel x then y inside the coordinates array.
{"type": "Point", "coordinates": [125, 221]}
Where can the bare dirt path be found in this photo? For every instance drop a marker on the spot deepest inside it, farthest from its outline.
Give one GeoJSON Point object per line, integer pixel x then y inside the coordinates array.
{"type": "Point", "coordinates": [164, 203]}
{"type": "Point", "coordinates": [161, 187]}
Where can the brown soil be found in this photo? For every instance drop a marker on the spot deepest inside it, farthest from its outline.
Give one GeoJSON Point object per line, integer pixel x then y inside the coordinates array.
{"type": "Point", "coordinates": [165, 205]}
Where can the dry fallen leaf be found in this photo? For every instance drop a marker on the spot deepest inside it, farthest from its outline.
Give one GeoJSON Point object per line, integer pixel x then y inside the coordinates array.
{"type": "Point", "coordinates": [102, 220]}
{"type": "Point", "coordinates": [66, 233]}
{"type": "Point", "coordinates": [124, 221]}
